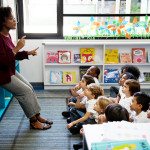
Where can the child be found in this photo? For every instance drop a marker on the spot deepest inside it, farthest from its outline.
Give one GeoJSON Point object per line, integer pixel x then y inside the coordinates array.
{"type": "Point", "coordinates": [148, 112]}
{"type": "Point", "coordinates": [140, 105]}
{"type": "Point", "coordinates": [126, 68]}
{"type": "Point", "coordinates": [91, 92]}
{"type": "Point", "coordinates": [129, 88]}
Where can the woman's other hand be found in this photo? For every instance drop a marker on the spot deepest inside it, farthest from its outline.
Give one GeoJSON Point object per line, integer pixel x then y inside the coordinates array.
{"type": "Point", "coordinates": [33, 52]}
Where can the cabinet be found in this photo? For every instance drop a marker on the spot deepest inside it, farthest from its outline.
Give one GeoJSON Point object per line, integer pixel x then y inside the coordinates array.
{"type": "Point", "coordinates": [100, 46]}
{"type": "Point", "coordinates": [6, 97]}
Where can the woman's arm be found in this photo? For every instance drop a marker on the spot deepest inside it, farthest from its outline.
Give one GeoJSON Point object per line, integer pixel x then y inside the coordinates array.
{"type": "Point", "coordinates": [79, 120]}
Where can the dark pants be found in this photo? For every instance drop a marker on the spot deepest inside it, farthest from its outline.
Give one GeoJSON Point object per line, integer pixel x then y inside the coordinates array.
{"type": "Point", "coordinates": [114, 91]}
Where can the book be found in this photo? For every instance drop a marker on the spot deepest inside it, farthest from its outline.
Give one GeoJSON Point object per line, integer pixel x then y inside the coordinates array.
{"type": "Point", "coordinates": [142, 77]}
{"type": "Point", "coordinates": [125, 58]}
{"type": "Point", "coordinates": [52, 57]}
{"type": "Point", "coordinates": [83, 70]}
{"type": "Point", "coordinates": [141, 144]}
{"type": "Point", "coordinates": [87, 55]}
{"type": "Point", "coordinates": [69, 77]}
{"type": "Point", "coordinates": [148, 56]}
{"type": "Point", "coordinates": [64, 57]}
{"type": "Point", "coordinates": [77, 58]}
{"type": "Point", "coordinates": [56, 77]}
{"type": "Point", "coordinates": [111, 56]}
{"type": "Point", "coordinates": [147, 76]}
{"type": "Point", "coordinates": [138, 55]}
{"type": "Point", "coordinates": [111, 75]}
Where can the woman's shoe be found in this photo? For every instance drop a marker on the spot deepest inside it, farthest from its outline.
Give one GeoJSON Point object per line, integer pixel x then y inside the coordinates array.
{"type": "Point", "coordinates": [34, 124]}
{"type": "Point", "coordinates": [42, 120]}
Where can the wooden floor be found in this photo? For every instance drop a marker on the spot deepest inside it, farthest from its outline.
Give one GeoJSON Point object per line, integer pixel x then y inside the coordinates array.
{"type": "Point", "coordinates": [15, 133]}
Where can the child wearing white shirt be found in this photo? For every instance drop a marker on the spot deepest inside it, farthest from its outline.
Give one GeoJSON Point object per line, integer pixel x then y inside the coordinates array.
{"type": "Point", "coordinates": [140, 105]}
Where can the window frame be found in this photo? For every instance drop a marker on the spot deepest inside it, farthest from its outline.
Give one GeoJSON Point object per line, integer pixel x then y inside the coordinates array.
{"type": "Point", "coordinates": [20, 25]}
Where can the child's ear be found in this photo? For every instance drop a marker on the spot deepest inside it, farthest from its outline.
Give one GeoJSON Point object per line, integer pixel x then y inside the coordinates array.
{"type": "Point", "coordinates": [140, 106]}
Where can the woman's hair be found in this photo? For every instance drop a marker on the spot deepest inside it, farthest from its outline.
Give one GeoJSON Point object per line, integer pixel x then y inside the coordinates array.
{"type": "Point", "coordinates": [96, 90]}
{"type": "Point", "coordinates": [129, 76]}
{"type": "Point", "coordinates": [89, 79]}
{"type": "Point", "coordinates": [134, 86]}
{"type": "Point", "coordinates": [5, 12]}
{"type": "Point", "coordinates": [103, 102]}
{"type": "Point", "coordinates": [132, 69]}
{"type": "Point", "coordinates": [115, 112]}
{"type": "Point", "coordinates": [143, 99]}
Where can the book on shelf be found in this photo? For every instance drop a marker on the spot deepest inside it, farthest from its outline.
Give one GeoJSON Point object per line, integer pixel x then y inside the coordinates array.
{"type": "Point", "coordinates": [125, 58]}
{"type": "Point", "coordinates": [111, 56]}
{"type": "Point", "coordinates": [138, 55]}
{"type": "Point", "coordinates": [87, 55]}
{"type": "Point", "coordinates": [141, 144]}
{"type": "Point", "coordinates": [56, 77]}
{"type": "Point", "coordinates": [142, 77]}
{"type": "Point", "coordinates": [69, 77]}
{"type": "Point", "coordinates": [77, 58]}
{"type": "Point", "coordinates": [64, 57]}
{"type": "Point", "coordinates": [83, 70]}
{"type": "Point", "coordinates": [111, 75]}
{"type": "Point", "coordinates": [148, 56]}
{"type": "Point", "coordinates": [52, 57]}
{"type": "Point", "coordinates": [147, 77]}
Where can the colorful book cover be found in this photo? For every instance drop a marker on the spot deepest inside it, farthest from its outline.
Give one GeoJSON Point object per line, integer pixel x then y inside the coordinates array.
{"type": "Point", "coordinates": [111, 56]}
{"type": "Point", "coordinates": [56, 77]}
{"type": "Point", "coordinates": [77, 58]}
{"type": "Point", "coordinates": [69, 77]}
{"type": "Point", "coordinates": [148, 56]}
{"type": "Point", "coordinates": [125, 58]}
{"type": "Point", "coordinates": [64, 57]}
{"type": "Point", "coordinates": [111, 75]}
{"type": "Point", "coordinates": [52, 57]}
{"type": "Point", "coordinates": [122, 145]}
{"type": "Point", "coordinates": [87, 55]}
{"type": "Point", "coordinates": [147, 76]}
{"type": "Point", "coordinates": [138, 55]}
{"type": "Point", "coordinates": [83, 70]}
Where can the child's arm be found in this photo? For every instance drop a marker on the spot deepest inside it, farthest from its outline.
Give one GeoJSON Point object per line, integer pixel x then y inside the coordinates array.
{"type": "Point", "coordinates": [71, 104]}
{"type": "Point", "coordinates": [148, 113]}
{"type": "Point", "coordinates": [79, 120]}
{"type": "Point", "coordinates": [118, 98]}
{"type": "Point", "coordinates": [80, 104]}
{"type": "Point", "coordinates": [101, 119]}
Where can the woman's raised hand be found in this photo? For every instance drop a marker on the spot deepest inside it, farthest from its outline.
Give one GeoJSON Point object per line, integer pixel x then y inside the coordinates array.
{"type": "Point", "coordinates": [21, 43]}
{"type": "Point", "coordinates": [33, 52]}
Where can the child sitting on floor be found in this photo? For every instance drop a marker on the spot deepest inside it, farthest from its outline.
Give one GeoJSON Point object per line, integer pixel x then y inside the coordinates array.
{"type": "Point", "coordinates": [139, 105]}
{"type": "Point", "coordinates": [91, 92]}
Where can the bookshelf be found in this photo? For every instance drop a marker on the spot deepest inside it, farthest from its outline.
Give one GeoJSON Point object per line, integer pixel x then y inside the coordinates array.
{"type": "Point", "coordinates": [100, 46]}
{"type": "Point", "coordinates": [5, 97]}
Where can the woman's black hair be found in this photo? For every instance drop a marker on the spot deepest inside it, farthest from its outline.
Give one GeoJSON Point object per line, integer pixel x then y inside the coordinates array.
{"type": "Point", "coordinates": [5, 12]}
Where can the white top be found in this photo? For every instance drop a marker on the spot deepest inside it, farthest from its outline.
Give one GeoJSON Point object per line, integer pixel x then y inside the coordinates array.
{"type": "Point", "coordinates": [80, 91]}
{"type": "Point", "coordinates": [125, 102]}
{"type": "Point", "coordinates": [90, 108]}
{"type": "Point", "coordinates": [122, 95]}
{"type": "Point", "coordinates": [140, 118]}
{"type": "Point", "coordinates": [96, 80]}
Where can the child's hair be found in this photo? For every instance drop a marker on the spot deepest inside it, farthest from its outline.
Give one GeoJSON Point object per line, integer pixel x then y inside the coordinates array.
{"type": "Point", "coordinates": [132, 69]}
{"type": "Point", "coordinates": [96, 90]}
{"type": "Point", "coordinates": [97, 71]}
{"type": "Point", "coordinates": [143, 99]}
{"type": "Point", "coordinates": [129, 76]}
{"type": "Point", "coordinates": [89, 79]}
{"type": "Point", "coordinates": [103, 102]}
{"type": "Point", "coordinates": [134, 86]}
{"type": "Point", "coordinates": [115, 112]}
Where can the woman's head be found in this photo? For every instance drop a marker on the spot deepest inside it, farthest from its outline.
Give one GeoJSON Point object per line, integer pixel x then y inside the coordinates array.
{"type": "Point", "coordinates": [6, 18]}
{"type": "Point", "coordinates": [115, 112]}
{"type": "Point", "coordinates": [131, 86]}
{"type": "Point", "coordinates": [93, 91]}
{"type": "Point", "coordinates": [93, 71]}
{"type": "Point", "coordinates": [101, 104]}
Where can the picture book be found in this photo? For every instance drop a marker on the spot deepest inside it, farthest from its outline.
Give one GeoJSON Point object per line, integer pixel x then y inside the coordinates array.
{"type": "Point", "coordinates": [125, 58]}
{"type": "Point", "coordinates": [77, 58]}
{"type": "Point", "coordinates": [147, 76]}
{"type": "Point", "coordinates": [83, 70]}
{"type": "Point", "coordinates": [141, 144]}
{"type": "Point", "coordinates": [148, 56]}
{"type": "Point", "coordinates": [111, 56]}
{"type": "Point", "coordinates": [111, 75]}
{"type": "Point", "coordinates": [87, 55]}
{"type": "Point", "coordinates": [56, 77]}
{"type": "Point", "coordinates": [64, 57]}
{"type": "Point", "coordinates": [69, 77]}
{"type": "Point", "coordinates": [138, 55]}
{"type": "Point", "coordinates": [52, 57]}
{"type": "Point", "coordinates": [142, 77]}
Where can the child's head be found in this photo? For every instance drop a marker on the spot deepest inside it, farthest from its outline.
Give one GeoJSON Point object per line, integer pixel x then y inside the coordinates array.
{"type": "Point", "coordinates": [132, 69]}
{"type": "Point", "coordinates": [125, 76]}
{"type": "Point", "coordinates": [115, 112]}
{"type": "Point", "coordinates": [101, 104]}
{"type": "Point", "coordinates": [86, 80]}
{"type": "Point", "coordinates": [130, 87]}
{"type": "Point", "coordinates": [140, 101]}
{"type": "Point", "coordinates": [93, 91]}
{"type": "Point", "coordinates": [93, 71]}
